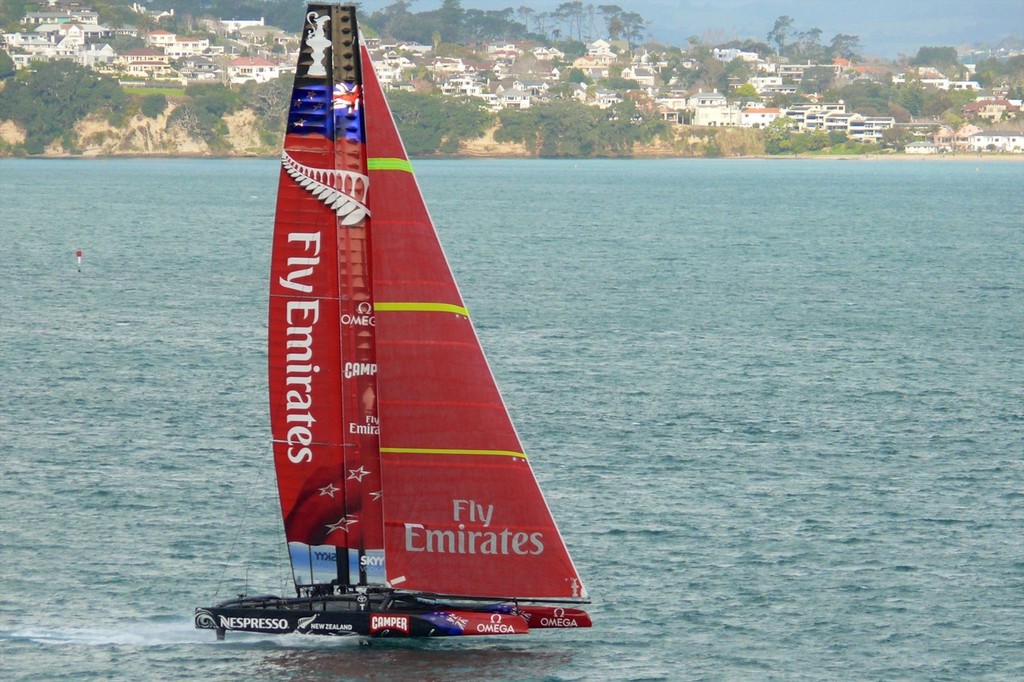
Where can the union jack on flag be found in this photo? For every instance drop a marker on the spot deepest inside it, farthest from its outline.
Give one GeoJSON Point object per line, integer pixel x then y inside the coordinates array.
{"type": "Point", "coordinates": [456, 620]}
{"type": "Point", "coordinates": [346, 97]}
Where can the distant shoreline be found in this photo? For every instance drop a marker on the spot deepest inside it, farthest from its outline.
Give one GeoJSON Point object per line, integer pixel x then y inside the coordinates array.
{"type": "Point", "coordinates": [948, 158]}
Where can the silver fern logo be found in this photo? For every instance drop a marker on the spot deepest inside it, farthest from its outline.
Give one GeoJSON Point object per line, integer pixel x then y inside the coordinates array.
{"type": "Point", "coordinates": [344, 192]}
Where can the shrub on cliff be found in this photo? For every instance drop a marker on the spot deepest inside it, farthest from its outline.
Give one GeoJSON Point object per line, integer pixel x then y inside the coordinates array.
{"type": "Point", "coordinates": [153, 105]}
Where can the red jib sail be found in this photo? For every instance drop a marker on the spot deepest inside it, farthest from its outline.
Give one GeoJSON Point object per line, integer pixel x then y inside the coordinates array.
{"type": "Point", "coordinates": [397, 462]}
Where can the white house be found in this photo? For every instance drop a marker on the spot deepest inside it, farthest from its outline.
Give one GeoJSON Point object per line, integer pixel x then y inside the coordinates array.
{"type": "Point", "coordinates": [868, 128]}
{"type": "Point", "coordinates": [242, 69]}
{"type": "Point", "coordinates": [187, 47]}
{"type": "Point", "coordinates": [727, 54]}
{"type": "Point", "coordinates": [758, 117]}
{"type": "Point", "coordinates": [548, 54]}
{"type": "Point", "coordinates": [644, 76]}
{"type": "Point", "coordinates": [448, 66]}
{"type": "Point", "coordinates": [235, 25]}
{"type": "Point", "coordinates": [921, 147]}
{"type": "Point", "coordinates": [514, 98]}
{"type": "Point", "coordinates": [997, 142]}
{"type": "Point", "coordinates": [763, 83]}
{"type": "Point", "coordinates": [160, 39]}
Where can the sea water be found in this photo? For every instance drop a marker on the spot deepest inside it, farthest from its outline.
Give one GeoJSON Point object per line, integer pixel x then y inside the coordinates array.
{"type": "Point", "coordinates": [777, 408]}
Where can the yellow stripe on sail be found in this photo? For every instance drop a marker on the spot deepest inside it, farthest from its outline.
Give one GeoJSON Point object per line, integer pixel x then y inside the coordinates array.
{"type": "Point", "coordinates": [451, 451]}
{"type": "Point", "coordinates": [422, 307]}
{"type": "Point", "coordinates": [388, 163]}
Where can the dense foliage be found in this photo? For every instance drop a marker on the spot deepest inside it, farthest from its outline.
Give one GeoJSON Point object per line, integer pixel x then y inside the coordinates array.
{"type": "Point", "coordinates": [1010, 73]}
{"type": "Point", "coordinates": [153, 105]}
{"type": "Point", "coordinates": [432, 123]}
{"type": "Point", "coordinates": [6, 65]}
{"type": "Point", "coordinates": [50, 99]}
{"type": "Point", "coordinates": [568, 128]}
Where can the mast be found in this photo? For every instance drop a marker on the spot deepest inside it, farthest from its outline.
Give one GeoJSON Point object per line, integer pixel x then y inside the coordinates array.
{"type": "Point", "coordinates": [321, 347]}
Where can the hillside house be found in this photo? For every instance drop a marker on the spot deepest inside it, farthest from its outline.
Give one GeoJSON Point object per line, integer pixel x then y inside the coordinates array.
{"type": "Point", "coordinates": [547, 54]}
{"type": "Point", "coordinates": [447, 66]}
{"type": "Point", "coordinates": [513, 98]}
{"type": "Point", "coordinates": [77, 16]}
{"type": "Point", "coordinates": [646, 77]}
{"type": "Point", "coordinates": [187, 47]}
{"type": "Point", "coordinates": [199, 69]}
{"type": "Point", "coordinates": [759, 117]}
{"type": "Point", "coordinates": [990, 109]}
{"type": "Point", "coordinates": [243, 69]}
{"type": "Point", "coordinates": [466, 85]}
{"type": "Point", "coordinates": [160, 39]}
{"type": "Point", "coordinates": [144, 54]}
{"type": "Point", "coordinates": [800, 113]}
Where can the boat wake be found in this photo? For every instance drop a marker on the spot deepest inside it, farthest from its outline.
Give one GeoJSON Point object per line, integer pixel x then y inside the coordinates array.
{"type": "Point", "coordinates": [154, 633]}
{"type": "Point", "coordinates": [143, 633]}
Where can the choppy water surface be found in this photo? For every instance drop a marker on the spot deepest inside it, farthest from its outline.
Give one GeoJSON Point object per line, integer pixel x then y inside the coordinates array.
{"type": "Point", "coordinates": [777, 409]}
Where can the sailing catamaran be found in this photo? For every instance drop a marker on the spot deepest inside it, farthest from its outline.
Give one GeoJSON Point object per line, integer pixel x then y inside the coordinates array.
{"type": "Point", "coordinates": [409, 506]}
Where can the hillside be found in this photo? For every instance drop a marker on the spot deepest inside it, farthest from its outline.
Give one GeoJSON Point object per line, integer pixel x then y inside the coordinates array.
{"type": "Point", "coordinates": [144, 136]}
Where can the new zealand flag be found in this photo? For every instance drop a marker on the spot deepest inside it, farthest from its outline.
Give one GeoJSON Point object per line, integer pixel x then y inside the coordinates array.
{"type": "Point", "coordinates": [315, 110]}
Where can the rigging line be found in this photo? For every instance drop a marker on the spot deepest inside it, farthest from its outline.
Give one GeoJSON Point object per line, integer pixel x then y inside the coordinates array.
{"type": "Point", "coordinates": [241, 524]}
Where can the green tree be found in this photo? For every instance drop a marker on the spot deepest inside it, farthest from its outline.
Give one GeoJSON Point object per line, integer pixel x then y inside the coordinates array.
{"type": "Point", "coordinates": [577, 76]}
{"type": "Point", "coordinates": [777, 135]}
{"type": "Point", "coordinates": [994, 72]}
{"type": "Point", "coordinates": [780, 32]}
{"type": "Point", "coordinates": [49, 99]}
{"type": "Point", "coordinates": [897, 138]}
{"type": "Point", "coordinates": [808, 46]}
{"type": "Point", "coordinates": [153, 105]}
{"type": "Point", "coordinates": [7, 68]}
{"type": "Point", "coordinates": [451, 16]}
{"type": "Point", "coordinates": [911, 97]}
{"type": "Point", "coordinates": [215, 99]}
{"type": "Point", "coordinates": [843, 46]}
{"type": "Point", "coordinates": [944, 59]}
{"type": "Point", "coordinates": [633, 28]}
{"type": "Point", "coordinates": [865, 97]}
{"type": "Point", "coordinates": [817, 80]}
{"type": "Point", "coordinates": [745, 93]}
{"type": "Point", "coordinates": [11, 13]}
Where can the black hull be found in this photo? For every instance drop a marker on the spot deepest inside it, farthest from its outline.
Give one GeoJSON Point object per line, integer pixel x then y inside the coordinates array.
{"type": "Point", "coordinates": [358, 615]}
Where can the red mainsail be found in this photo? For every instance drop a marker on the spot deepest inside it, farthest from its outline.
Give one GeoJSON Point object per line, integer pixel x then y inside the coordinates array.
{"type": "Point", "coordinates": [396, 459]}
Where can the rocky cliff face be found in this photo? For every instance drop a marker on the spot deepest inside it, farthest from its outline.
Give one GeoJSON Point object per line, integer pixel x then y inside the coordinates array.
{"type": "Point", "coordinates": [143, 136]}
